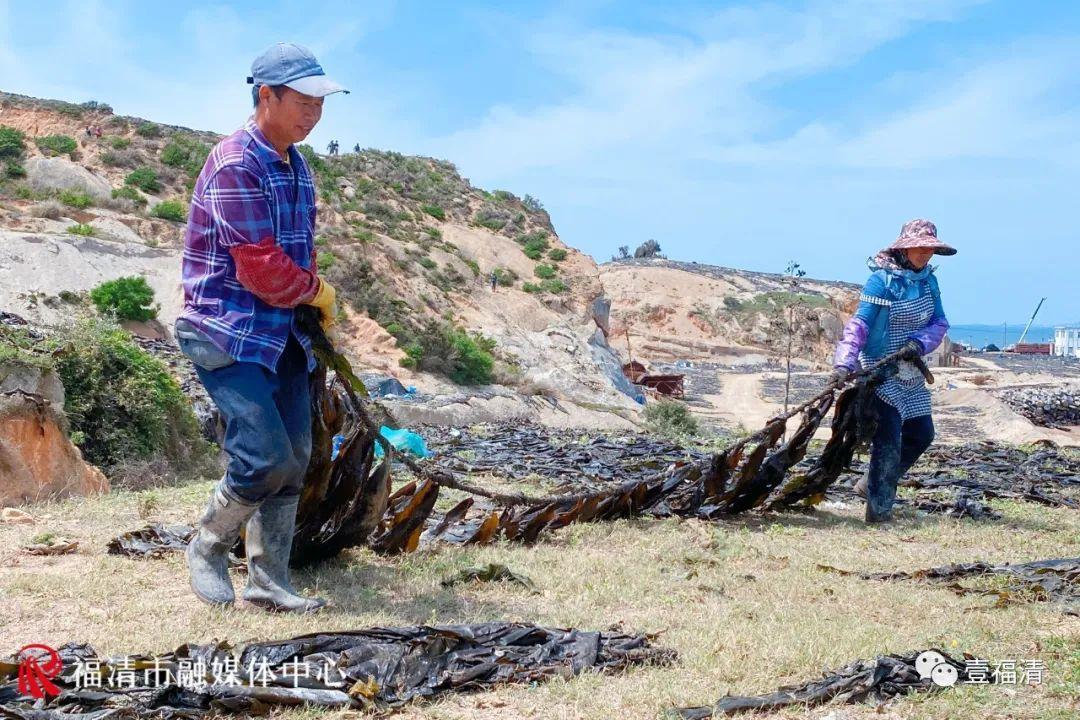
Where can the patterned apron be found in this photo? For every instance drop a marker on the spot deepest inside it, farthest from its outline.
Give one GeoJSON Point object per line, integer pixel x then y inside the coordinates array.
{"type": "Point", "coordinates": [906, 390]}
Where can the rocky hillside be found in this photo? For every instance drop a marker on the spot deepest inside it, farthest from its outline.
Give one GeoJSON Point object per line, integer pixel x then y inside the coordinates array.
{"type": "Point", "coordinates": [410, 244]}
{"type": "Point", "coordinates": [689, 311]}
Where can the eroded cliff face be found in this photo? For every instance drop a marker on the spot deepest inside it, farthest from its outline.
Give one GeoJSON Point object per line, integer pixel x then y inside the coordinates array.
{"type": "Point", "coordinates": [37, 458]}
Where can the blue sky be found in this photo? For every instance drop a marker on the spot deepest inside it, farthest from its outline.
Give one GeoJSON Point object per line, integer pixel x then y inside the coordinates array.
{"type": "Point", "coordinates": [740, 134]}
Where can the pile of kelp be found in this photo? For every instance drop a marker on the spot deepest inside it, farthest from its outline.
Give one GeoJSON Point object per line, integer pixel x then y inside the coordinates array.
{"type": "Point", "coordinates": [1052, 581]}
{"type": "Point", "coordinates": [372, 669]}
{"type": "Point", "coordinates": [863, 681]}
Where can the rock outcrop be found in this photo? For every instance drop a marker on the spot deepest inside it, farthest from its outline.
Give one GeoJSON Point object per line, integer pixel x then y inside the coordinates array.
{"type": "Point", "coordinates": [59, 174]}
{"type": "Point", "coordinates": [37, 459]}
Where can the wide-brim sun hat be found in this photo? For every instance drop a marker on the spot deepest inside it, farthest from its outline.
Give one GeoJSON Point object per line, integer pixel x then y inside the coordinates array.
{"type": "Point", "coordinates": [293, 66]}
{"type": "Point", "coordinates": [921, 234]}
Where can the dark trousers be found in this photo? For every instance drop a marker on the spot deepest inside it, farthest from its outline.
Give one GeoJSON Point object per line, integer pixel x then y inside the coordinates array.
{"type": "Point", "coordinates": [267, 423]}
{"type": "Point", "coordinates": [895, 448]}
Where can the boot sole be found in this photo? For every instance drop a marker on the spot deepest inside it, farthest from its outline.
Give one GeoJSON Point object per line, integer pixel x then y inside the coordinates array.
{"type": "Point", "coordinates": [273, 607]}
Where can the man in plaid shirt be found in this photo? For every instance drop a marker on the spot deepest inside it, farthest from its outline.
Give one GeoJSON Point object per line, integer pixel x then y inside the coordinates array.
{"type": "Point", "coordinates": [249, 260]}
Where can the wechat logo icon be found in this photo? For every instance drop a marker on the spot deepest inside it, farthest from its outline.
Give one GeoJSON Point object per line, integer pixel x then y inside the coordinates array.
{"type": "Point", "coordinates": [931, 664]}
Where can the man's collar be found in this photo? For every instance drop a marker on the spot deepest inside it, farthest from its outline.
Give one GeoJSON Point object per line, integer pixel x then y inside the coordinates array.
{"type": "Point", "coordinates": [263, 144]}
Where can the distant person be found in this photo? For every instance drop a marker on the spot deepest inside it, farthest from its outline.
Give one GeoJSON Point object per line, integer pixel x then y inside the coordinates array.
{"type": "Point", "coordinates": [249, 260]}
{"type": "Point", "coordinates": [899, 309]}
{"type": "Point", "coordinates": [356, 148]}
{"type": "Point", "coordinates": [494, 280]}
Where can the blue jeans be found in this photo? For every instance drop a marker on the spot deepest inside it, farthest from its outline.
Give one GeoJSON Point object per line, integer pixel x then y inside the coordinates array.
{"type": "Point", "coordinates": [267, 423]}
{"type": "Point", "coordinates": [895, 448]}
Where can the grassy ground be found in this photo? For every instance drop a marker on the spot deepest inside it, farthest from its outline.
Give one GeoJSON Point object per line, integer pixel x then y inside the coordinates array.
{"type": "Point", "coordinates": [743, 602]}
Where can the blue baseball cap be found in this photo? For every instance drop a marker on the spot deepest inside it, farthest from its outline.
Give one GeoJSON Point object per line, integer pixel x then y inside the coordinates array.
{"type": "Point", "coordinates": [293, 66]}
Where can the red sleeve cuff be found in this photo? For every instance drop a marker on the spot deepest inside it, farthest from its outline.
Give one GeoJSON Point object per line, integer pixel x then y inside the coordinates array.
{"type": "Point", "coordinates": [272, 276]}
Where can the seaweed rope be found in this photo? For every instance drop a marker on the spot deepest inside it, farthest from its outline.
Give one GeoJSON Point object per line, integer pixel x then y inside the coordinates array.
{"type": "Point", "coordinates": [325, 350]}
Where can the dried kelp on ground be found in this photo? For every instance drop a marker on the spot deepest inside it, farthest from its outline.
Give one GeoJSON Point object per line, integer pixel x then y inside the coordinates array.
{"type": "Point", "coordinates": [873, 681]}
{"type": "Point", "coordinates": [1047, 474]}
{"type": "Point", "coordinates": [152, 541]}
{"type": "Point", "coordinates": [375, 669]}
{"type": "Point", "coordinates": [567, 456]}
{"type": "Point", "coordinates": [1056, 580]}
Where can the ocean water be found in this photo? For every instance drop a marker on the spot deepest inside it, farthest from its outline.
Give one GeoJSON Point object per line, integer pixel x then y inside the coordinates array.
{"type": "Point", "coordinates": [980, 336]}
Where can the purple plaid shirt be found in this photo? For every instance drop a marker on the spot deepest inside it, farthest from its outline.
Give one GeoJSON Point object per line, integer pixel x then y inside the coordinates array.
{"type": "Point", "coordinates": [244, 194]}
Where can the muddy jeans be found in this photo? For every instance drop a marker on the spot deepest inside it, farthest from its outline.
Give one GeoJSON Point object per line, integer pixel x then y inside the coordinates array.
{"type": "Point", "coordinates": [267, 418]}
{"type": "Point", "coordinates": [895, 448]}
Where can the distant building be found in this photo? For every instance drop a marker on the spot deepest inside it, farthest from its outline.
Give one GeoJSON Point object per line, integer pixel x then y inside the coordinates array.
{"type": "Point", "coordinates": [1067, 341]}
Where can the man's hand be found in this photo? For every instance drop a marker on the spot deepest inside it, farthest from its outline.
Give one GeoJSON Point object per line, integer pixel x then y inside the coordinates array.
{"type": "Point", "coordinates": [839, 375]}
{"type": "Point", "coordinates": [326, 300]}
{"type": "Point", "coordinates": [912, 350]}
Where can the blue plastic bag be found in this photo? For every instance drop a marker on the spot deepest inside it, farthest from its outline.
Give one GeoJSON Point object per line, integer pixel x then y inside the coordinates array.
{"type": "Point", "coordinates": [403, 439]}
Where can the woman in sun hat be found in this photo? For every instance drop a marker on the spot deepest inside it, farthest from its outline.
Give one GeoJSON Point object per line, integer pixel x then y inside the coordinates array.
{"type": "Point", "coordinates": [899, 309]}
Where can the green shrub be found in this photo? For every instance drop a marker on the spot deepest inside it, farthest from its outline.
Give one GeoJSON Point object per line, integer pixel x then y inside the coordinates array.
{"type": "Point", "coordinates": [544, 272]}
{"type": "Point", "coordinates": [122, 403]}
{"type": "Point", "coordinates": [532, 204]}
{"type": "Point", "coordinates": [126, 298]}
{"type": "Point", "coordinates": [12, 142]}
{"type": "Point", "coordinates": [81, 229]}
{"type": "Point", "coordinates": [557, 254]}
{"type": "Point", "coordinates": [144, 178]}
{"type": "Point", "coordinates": [187, 153]}
{"type": "Point", "coordinates": [554, 286]}
{"type": "Point", "coordinates": [505, 277]}
{"type": "Point", "coordinates": [451, 351]}
{"type": "Point", "coordinates": [325, 260]}
{"type": "Point", "coordinates": [315, 162]}
{"type": "Point", "coordinates": [671, 418]}
{"type": "Point", "coordinates": [428, 263]}
{"type": "Point", "coordinates": [14, 170]}
{"type": "Point", "coordinates": [148, 130]}
{"type": "Point", "coordinates": [531, 287]}
{"type": "Point", "coordinates": [119, 158]}
{"type": "Point", "coordinates": [364, 236]}
{"type": "Point", "coordinates": [118, 143]}
{"type": "Point", "coordinates": [128, 193]}
{"type": "Point", "coordinates": [170, 210]}
{"type": "Point", "coordinates": [535, 246]}
{"type": "Point", "coordinates": [76, 199]}
{"type": "Point", "coordinates": [473, 266]}
{"type": "Point", "coordinates": [57, 144]}
{"type": "Point", "coordinates": [434, 211]}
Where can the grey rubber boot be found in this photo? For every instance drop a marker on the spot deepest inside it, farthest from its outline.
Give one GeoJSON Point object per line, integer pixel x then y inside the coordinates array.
{"type": "Point", "coordinates": [208, 552]}
{"type": "Point", "coordinates": [269, 545]}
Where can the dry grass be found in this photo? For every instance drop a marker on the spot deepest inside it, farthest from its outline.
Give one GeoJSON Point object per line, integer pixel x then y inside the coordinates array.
{"type": "Point", "coordinates": [742, 601]}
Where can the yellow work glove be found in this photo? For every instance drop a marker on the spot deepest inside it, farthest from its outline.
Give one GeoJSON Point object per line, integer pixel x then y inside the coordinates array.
{"type": "Point", "coordinates": [326, 301]}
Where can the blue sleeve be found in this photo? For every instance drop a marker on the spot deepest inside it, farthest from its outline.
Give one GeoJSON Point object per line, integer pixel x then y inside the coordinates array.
{"type": "Point", "coordinates": [935, 292]}
{"type": "Point", "coordinates": [872, 299]}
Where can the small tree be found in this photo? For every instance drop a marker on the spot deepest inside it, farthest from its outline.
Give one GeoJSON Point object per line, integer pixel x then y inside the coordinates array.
{"type": "Point", "coordinates": [127, 298]}
{"type": "Point", "coordinates": [532, 204]}
{"type": "Point", "coordinates": [648, 249]}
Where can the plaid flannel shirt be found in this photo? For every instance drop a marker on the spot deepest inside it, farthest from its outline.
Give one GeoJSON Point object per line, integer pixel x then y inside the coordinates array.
{"type": "Point", "coordinates": [245, 195]}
